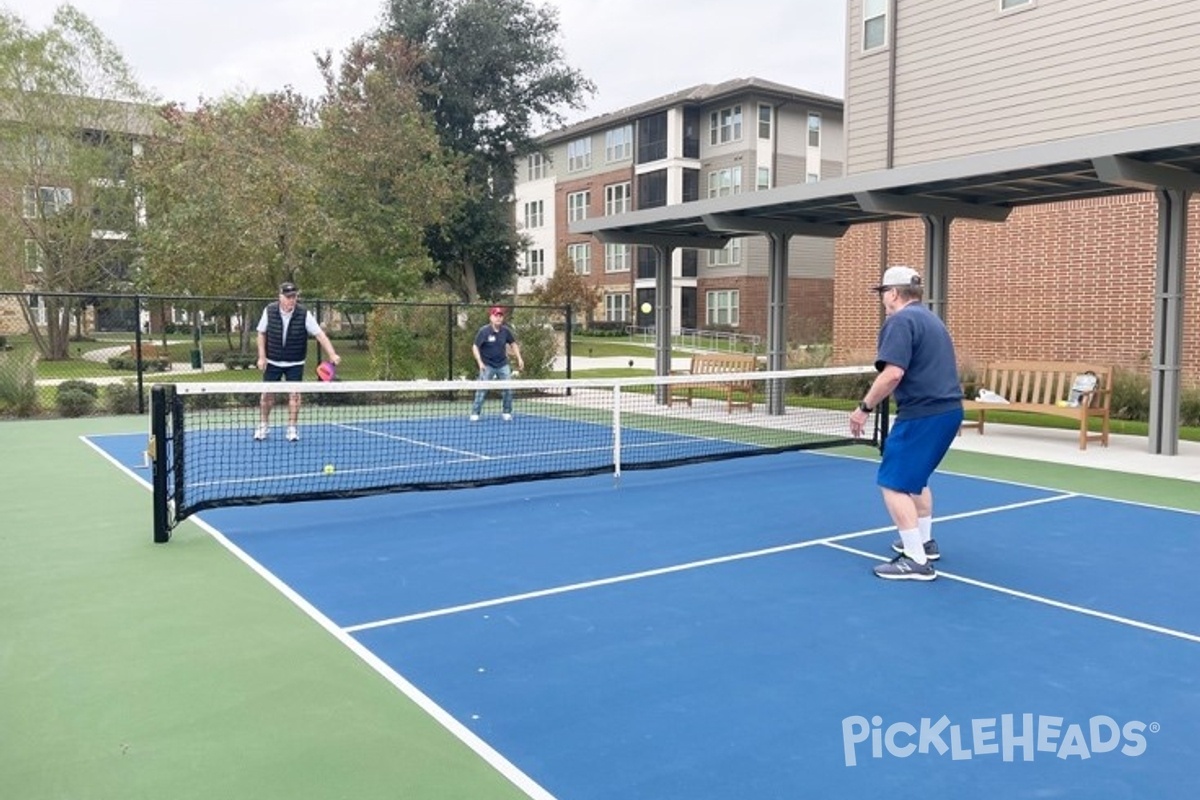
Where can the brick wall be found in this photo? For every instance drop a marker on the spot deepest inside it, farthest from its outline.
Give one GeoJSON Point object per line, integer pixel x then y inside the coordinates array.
{"type": "Point", "coordinates": [810, 306]}
{"type": "Point", "coordinates": [1065, 281]}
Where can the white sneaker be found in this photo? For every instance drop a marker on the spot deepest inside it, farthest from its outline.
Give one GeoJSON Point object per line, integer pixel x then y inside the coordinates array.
{"type": "Point", "coordinates": [293, 435]}
{"type": "Point", "coordinates": [260, 433]}
{"type": "Point", "coordinates": [474, 418]}
{"type": "Point", "coordinates": [506, 417]}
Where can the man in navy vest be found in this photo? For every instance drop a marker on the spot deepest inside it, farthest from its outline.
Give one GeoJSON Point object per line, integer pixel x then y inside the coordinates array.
{"type": "Point", "coordinates": [283, 333]}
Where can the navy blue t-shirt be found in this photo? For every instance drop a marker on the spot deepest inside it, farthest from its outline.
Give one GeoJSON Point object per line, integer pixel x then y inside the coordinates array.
{"type": "Point", "coordinates": [493, 344]}
{"type": "Point", "coordinates": [916, 340]}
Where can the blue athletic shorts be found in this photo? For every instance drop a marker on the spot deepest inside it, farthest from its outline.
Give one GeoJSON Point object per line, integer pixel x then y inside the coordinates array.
{"type": "Point", "coordinates": [914, 448]}
{"type": "Point", "coordinates": [275, 373]}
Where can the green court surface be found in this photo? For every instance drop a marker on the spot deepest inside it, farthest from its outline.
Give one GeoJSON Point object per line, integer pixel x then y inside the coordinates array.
{"type": "Point", "coordinates": [133, 670]}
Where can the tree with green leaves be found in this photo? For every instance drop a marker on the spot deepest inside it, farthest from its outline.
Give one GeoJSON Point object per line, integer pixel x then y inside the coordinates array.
{"type": "Point", "coordinates": [492, 73]}
{"type": "Point", "coordinates": [385, 177]}
{"type": "Point", "coordinates": [232, 197]}
{"type": "Point", "coordinates": [566, 287]}
{"type": "Point", "coordinates": [73, 115]}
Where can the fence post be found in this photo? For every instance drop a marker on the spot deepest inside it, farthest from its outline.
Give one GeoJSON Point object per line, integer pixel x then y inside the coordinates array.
{"type": "Point", "coordinates": [137, 348]}
{"type": "Point", "coordinates": [567, 336]}
{"type": "Point", "coordinates": [450, 341]}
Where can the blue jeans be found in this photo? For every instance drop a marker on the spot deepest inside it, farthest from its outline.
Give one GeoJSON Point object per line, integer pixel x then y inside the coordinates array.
{"type": "Point", "coordinates": [491, 374]}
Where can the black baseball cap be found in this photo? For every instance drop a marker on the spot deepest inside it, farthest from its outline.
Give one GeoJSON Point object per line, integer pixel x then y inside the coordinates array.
{"type": "Point", "coordinates": [287, 287]}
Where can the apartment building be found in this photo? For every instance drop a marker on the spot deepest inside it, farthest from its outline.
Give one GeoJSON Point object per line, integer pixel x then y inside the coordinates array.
{"type": "Point", "coordinates": [69, 212]}
{"type": "Point", "coordinates": [943, 79]}
{"type": "Point", "coordinates": [703, 142]}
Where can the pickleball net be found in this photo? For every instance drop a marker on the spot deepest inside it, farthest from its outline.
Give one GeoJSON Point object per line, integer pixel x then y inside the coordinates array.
{"type": "Point", "coordinates": [355, 439]}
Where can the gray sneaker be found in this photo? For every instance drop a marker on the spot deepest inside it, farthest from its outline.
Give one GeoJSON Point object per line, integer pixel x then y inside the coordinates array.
{"type": "Point", "coordinates": [931, 549]}
{"type": "Point", "coordinates": [903, 568]}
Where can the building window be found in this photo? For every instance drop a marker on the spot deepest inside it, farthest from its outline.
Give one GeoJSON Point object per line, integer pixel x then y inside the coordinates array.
{"type": "Point", "coordinates": [579, 155]}
{"type": "Point", "coordinates": [763, 181]}
{"type": "Point", "coordinates": [537, 167]}
{"type": "Point", "coordinates": [724, 182]}
{"type": "Point", "coordinates": [618, 144]}
{"type": "Point", "coordinates": [577, 205]}
{"type": "Point", "coordinates": [764, 122]}
{"type": "Point", "coordinates": [616, 307]}
{"type": "Point", "coordinates": [652, 189]}
{"type": "Point", "coordinates": [535, 263]}
{"type": "Point", "coordinates": [35, 257]}
{"type": "Point", "coordinates": [48, 200]}
{"type": "Point", "coordinates": [37, 309]}
{"type": "Point", "coordinates": [1006, 5]}
{"type": "Point", "coordinates": [652, 138]}
{"type": "Point", "coordinates": [616, 258]}
{"type": "Point", "coordinates": [618, 198]}
{"type": "Point", "coordinates": [725, 125]}
{"type": "Point", "coordinates": [722, 307]}
{"type": "Point", "coordinates": [534, 214]}
{"type": "Point", "coordinates": [729, 255]}
{"type": "Point", "coordinates": [580, 256]}
{"type": "Point", "coordinates": [814, 129]}
{"type": "Point", "coordinates": [875, 24]}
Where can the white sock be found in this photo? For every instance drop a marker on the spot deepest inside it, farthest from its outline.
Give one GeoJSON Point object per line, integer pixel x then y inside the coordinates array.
{"type": "Point", "coordinates": [925, 526]}
{"type": "Point", "coordinates": [912, 545]}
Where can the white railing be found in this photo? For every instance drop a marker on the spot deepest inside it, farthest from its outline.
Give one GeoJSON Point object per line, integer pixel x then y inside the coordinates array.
{"type": "Point", "coordinates": [699, 339]}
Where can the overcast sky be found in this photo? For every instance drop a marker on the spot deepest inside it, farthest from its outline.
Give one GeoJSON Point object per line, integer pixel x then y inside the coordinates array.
{"type": "Point", "coordinates": [633, 50]}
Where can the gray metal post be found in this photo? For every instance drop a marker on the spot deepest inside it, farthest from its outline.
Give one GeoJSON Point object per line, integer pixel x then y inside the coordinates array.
{"type": "Point", "coordinates": [662, 318]}
{"type": "Point", "coordinates": [1168, 321]}
{"type": "Point", "coordinates": [937, 262]}
{"type": "Point", "coordinates": [777, 306]}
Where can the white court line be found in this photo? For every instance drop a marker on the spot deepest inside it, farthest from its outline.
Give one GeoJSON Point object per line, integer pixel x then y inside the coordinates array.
{"type": "Point", "coordinates": [1089, 612]}
{"type": "Point", "coordinates": [651, 573]}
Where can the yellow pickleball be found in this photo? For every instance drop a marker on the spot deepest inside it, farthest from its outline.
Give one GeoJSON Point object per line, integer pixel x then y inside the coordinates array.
{"type": "Point", "coordinates": [329, 469]}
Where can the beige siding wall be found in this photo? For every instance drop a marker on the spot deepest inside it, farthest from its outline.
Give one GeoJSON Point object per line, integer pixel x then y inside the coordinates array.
{"type": "Point", "coordinates": [970, 79]}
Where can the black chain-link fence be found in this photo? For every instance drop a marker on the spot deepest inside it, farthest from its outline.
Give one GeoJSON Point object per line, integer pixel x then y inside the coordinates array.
{"type": "Point", "coordinates": [77, 354]}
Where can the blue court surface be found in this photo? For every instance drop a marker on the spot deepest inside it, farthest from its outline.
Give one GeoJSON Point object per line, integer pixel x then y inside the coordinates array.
{"type": "Point", "coordinates": [714, 631]}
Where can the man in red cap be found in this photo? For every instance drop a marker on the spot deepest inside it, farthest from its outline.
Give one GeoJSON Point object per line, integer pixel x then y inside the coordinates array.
{"type": "Point", "coordinates": [491, 348]}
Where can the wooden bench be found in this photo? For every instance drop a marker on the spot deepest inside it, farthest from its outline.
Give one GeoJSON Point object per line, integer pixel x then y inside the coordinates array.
{"type": "Point", "coordinates": [149, 352]}
{"type": "Point", "coordinates": [719, 364]}
{"type": "Point", "coordinates": [1044, 387]}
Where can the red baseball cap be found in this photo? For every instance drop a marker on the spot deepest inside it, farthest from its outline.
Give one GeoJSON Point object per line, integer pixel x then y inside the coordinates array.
{"type": "Point", "coordinates": [497, 310]}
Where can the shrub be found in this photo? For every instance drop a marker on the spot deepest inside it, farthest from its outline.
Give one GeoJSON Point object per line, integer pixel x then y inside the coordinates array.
{"type": "Point", "coordinates": [121, 398]}
{"type": "Point", "coordinates": [232, 359]}
{"type": "Point", "coordinates": [129, 364]}
{"type": "Point", "coordinates": [18, 383]}
{"type": "Point", "coordinates": [83, 386]}
{"type": "Point", "coordinates": [74, 401]}
{"type": "Point", "coordinates": [1130, 396]}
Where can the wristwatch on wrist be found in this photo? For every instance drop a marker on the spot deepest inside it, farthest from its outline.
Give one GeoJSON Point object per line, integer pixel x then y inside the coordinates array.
{"type": "Point", "coordinates": [863, 407]}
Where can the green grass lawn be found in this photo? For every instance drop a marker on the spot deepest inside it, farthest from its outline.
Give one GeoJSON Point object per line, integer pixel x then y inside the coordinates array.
{"type": "Point", "coordinates": [608, 346]}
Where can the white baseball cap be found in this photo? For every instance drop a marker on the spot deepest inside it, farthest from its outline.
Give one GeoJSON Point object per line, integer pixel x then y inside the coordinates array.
{"type": "Point", "coordinates": [898, 276]}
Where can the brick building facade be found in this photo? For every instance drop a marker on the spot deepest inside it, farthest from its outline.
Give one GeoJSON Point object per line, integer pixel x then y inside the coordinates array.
{"type": "Point", "coordinates": [1066, 281]}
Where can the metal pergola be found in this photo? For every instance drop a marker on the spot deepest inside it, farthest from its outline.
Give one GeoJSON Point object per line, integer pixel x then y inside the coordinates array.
{"type": "Point", "coordinates": [1164, 159]}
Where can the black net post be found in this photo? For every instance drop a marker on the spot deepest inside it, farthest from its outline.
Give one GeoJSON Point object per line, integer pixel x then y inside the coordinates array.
{"type": "Point", "coordinates": [157, 450]}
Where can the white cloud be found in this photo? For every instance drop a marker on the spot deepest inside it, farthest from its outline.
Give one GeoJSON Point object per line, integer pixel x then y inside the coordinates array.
{"type": "Point", "coordinates": [633, 50]}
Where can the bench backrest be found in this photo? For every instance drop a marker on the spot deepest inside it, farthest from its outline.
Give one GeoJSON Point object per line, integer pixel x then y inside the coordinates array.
{"type": "Point", "coordinates": [1045, 382]}
{"type": "Point", "coordinates": [723, 363]}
